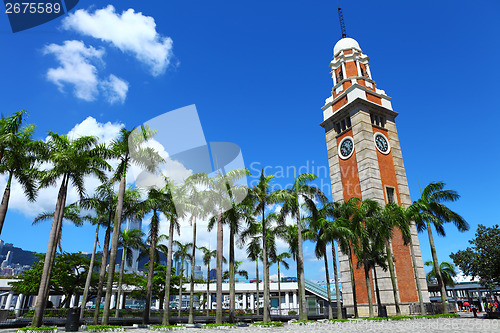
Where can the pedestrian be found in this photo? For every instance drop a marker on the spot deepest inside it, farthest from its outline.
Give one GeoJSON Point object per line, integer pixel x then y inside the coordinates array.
{"type": "Point", "coordinates": [474, 310]}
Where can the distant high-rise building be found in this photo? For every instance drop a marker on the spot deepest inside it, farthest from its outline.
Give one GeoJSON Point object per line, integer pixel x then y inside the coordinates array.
{"type": "Point", "coordinates": [7, 260]}
{"type": "Point", "coordinates": [213, 274]}
{"type": "Point", "coordinates": [198, 274]}
{"type": "Point", "coordinates": [133, 224]}
{"type": "Point", "coordinates": [176, 263]}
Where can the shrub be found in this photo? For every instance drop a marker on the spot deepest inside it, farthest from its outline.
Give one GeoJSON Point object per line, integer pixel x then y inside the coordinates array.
{"type": "Point", "coordinates": [215, 326]}
{"type": "Point", "coordinates": [43, 329]}
{"type": "Point", "coordinates": [168, 328]}
{"type": "Point", "coordinates": [270, 324]}
{"type": "Point", "coordinates": [292, 313]}
{"type": "Point", "coordinates": [105, 328]}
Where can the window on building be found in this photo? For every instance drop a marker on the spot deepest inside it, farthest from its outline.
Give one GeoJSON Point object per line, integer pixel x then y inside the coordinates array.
{"type": "Point", "coordinates": [343, 125]}
{"type": "Point", "coordinates": [340, 74]}
{"type": "Point", "coordinates": [377, 120]}
{"type": "Point", "coordinates": [390, 194]}
{"type": "Point", "coordinates": [363, 72]}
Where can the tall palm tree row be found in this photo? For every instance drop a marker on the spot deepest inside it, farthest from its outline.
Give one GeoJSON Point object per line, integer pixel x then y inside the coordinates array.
{"type": "Point", "coordinates": [71, 160]}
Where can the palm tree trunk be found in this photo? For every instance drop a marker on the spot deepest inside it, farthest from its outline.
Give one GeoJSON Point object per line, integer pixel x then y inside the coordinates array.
{"type": "Point", "coordinates": [191, 287]}
{"type": "Point", "coordinates": [390, 264]}
{"type": "Point", "coordinates": [442, 287]}
{"type": "Point", "coordinates": [337, 289]}
{"type": "Point", "coordinates": [218, 313]}
{"type": "Point", "coordinates": [120, 281]}
{"type": "Point", "coordinates": [377, 291]}
{"type": "Point", "coordinates": [231, 275]}
{"type": "Point", "coordinates": [300, 268]}
{"type": "Point", "coordinates": [368, 290]}
{"type": "Point", "coordinates": [327, 273]}
{"type": "Point", "coordinates": [149, 285]}
{"type": "Point", "coordinates": [114, 250]}
{"type": "Point", "coordinates": [54, 248]}
{"type": "Point", "coordinates": [353, 284]}
{"type": "Point", "coordinates": [180, 286]}
{"type": "Point", "coordinates": [5, 201]}
{"type": "Point", "coordinates": [50, 254]}
{"type": "Point", "coordinates": [257, 281]}
{"type": "Point", "coordinates": [265, 266]}
{"type": "Point", "coordinates": [89, 274]}
{"type": "Point", "coordinates": [279, 289]}
{"type": "Point", "coordinates": [102, 273]}
{"type": "Point", "coordinates": [208, 302]}
{"type": "Point", "coordinates": [166, 303]}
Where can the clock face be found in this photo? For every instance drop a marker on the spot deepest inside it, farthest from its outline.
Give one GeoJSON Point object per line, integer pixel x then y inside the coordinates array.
{"type": "Point", "coordinates": [381, 143]}
{"type": "Point", "coordinates": [346, 148]}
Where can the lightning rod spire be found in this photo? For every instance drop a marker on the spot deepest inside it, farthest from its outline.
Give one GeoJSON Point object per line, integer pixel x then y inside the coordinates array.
{"type": "Point", "coordinates": [342, 24]}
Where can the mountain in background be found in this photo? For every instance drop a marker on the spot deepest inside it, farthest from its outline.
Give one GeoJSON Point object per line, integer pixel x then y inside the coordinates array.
{"type": "Point", "coordinates": [19, 256]}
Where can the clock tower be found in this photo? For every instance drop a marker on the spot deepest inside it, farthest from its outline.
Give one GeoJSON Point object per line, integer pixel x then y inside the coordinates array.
{"type": "Point", "coordinates": [366, 162]}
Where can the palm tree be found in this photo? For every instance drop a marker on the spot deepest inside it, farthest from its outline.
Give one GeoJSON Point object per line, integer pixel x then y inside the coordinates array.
{"type": "Point", "coordinates": [393, 217]}
{"type": "Point", "coordinates": [343, 213]}
{"type": "Point", "coordinates": [222, 193]}
{"type": "Point", "coordinates": [97, 222]}
{"type": "Point", "coordinates": [240, 212]}
{"type": "Point", "coordinates": [175, 207]}
{"type": "Point", "coordinates": [323, 230]}
{"type": "Point", "coordinates": [301, 190]}
{"type": "Point", "coordinates": [254, 252]}
{"type": "Point", "coordinates": [18, 157]}
{"type": "Point", "coordinates": [196, 210]}
{"type": "Point", "coordinates": [237, 271]}
{"type": "Point", "coordinates": [156, 202]}
{"type": "Point", "coordinates": [104, 203]}
{"type": "Point", "coordinates": [263, 196]}
{"type": "Point", "coordinates": [280, 259]}
{"type": "Point", "coordinates": [430, 209]}
{"type": "Point", "coordinates": [207, 258]}
{"type": "Point", "coordinates": [127, 149]}
{"type": "Point", "coordinates": [129, 240]}
{"type": "Point", "coordinates": [71, 160]}
{"type": "Point", "coordinates": [9, 127]}
{"type": "Point", "coordinates": [367, 242]}
{"type": "Point", "coordinates": [447, 272]}
{"type": "Point", "coordinates": [182, 253]}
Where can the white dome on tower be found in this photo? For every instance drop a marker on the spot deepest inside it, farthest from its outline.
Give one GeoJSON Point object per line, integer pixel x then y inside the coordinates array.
{"type": "Point", "coordinates": [345, 44]}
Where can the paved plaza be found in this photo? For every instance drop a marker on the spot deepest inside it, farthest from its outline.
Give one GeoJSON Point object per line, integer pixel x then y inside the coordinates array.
{"type": "Point", "coordinates": [466, 323]}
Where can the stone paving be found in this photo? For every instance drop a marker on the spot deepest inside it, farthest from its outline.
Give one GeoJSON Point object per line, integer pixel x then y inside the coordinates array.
{"type": "Point", "coordinates": [442, 325]}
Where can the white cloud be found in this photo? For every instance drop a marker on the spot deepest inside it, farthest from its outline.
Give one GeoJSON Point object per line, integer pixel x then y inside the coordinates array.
{"type": "Point", "coordinates": [129, 31]}
{"type": "Point", "coordinates": [75, 68]}
{"type": "Point", "coordinates": [105, 132]}
{"type": "Point", "coordinates": [115, 89]}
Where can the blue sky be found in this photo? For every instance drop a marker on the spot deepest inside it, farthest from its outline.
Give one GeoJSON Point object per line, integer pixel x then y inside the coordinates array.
{"type": "Point", "coordinates": [258, 74]}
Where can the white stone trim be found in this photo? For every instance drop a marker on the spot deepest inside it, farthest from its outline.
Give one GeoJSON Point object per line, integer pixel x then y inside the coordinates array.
{"type": "Point", "coordinates": [387, 140]}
